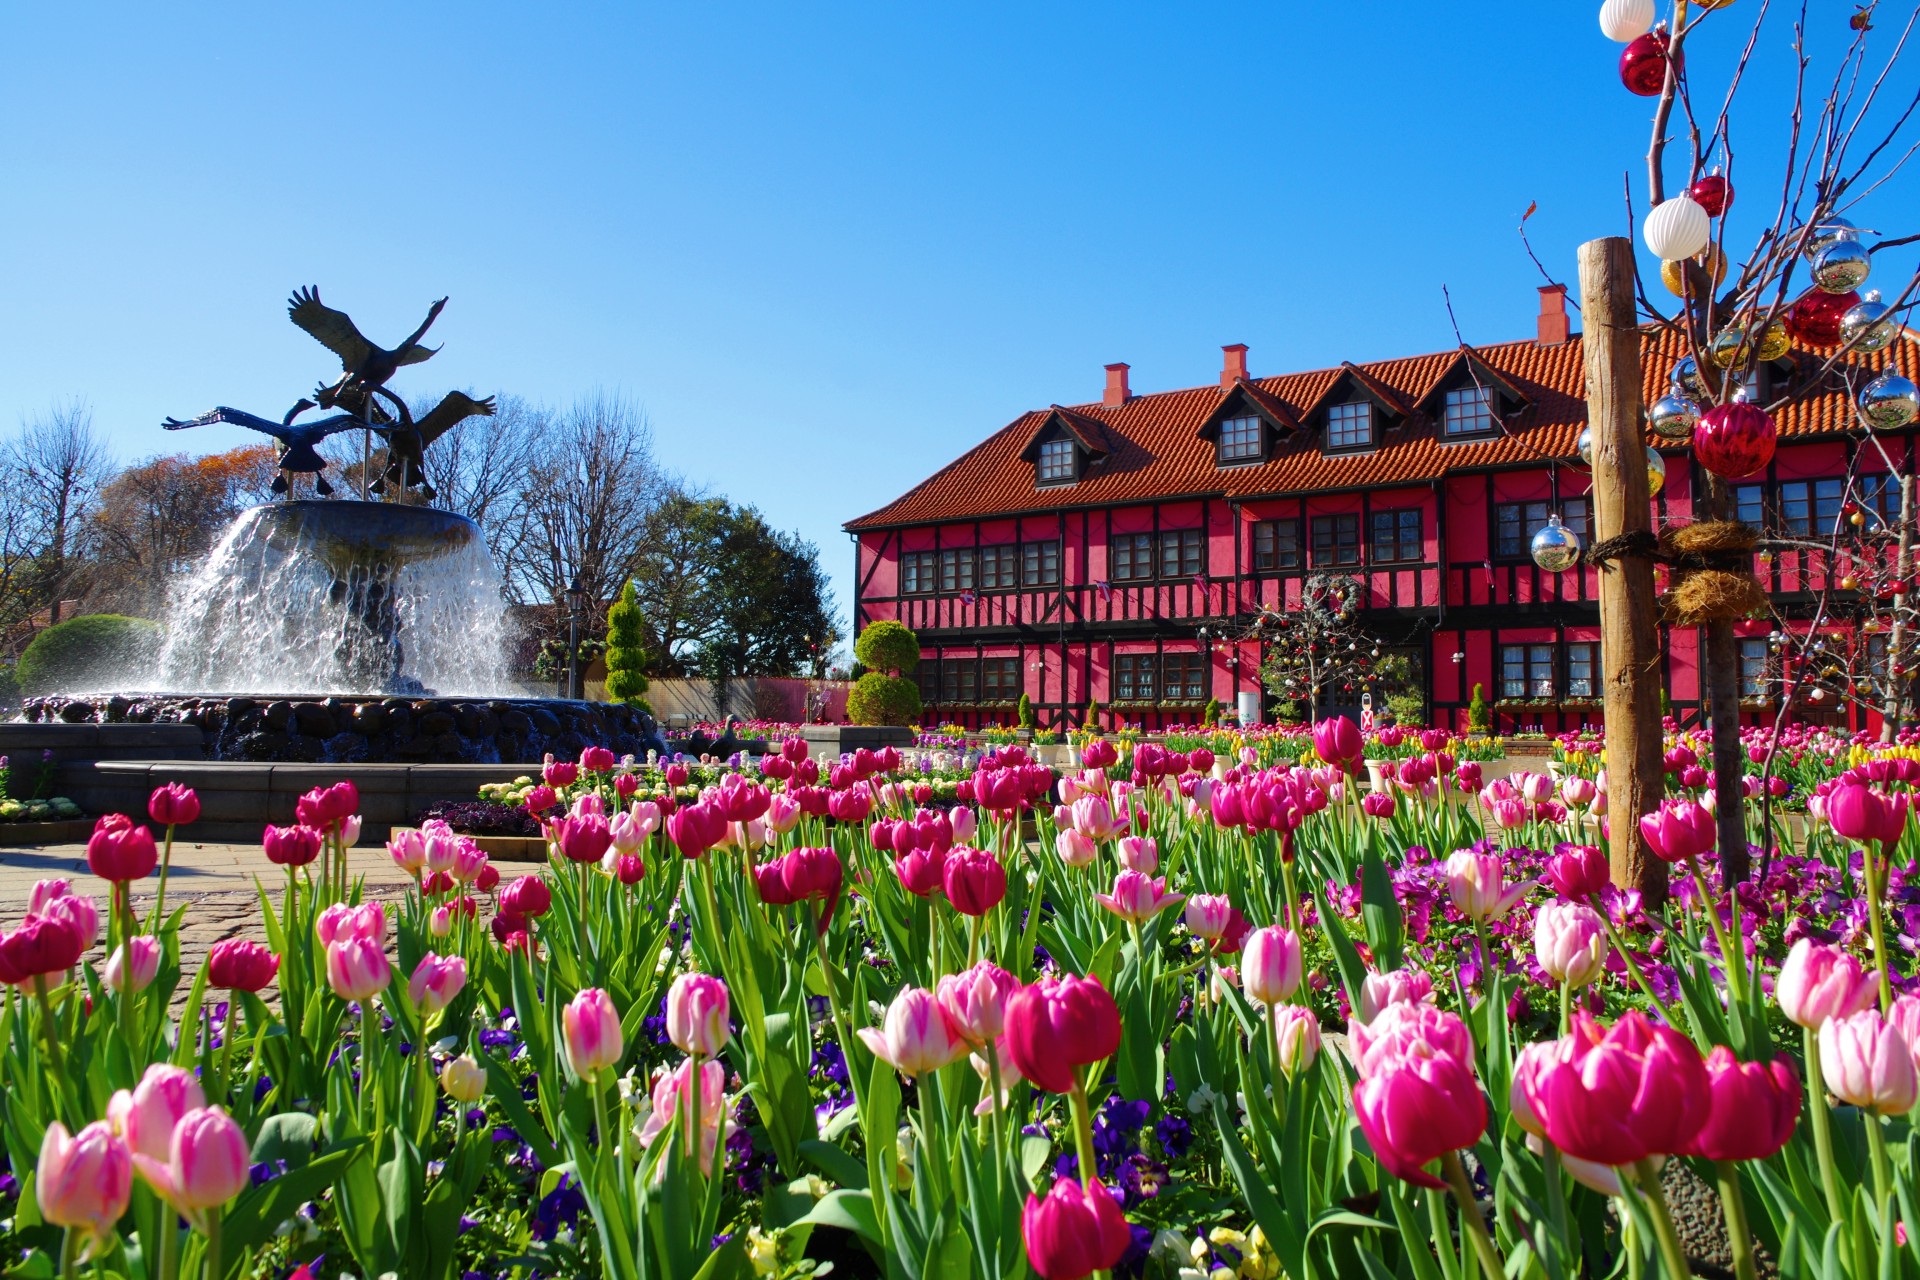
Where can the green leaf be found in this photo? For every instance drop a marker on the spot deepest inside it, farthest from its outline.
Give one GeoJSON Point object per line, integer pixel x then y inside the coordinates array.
{"type": "Point", "coordinates": [1380, 911]}
{"type": "Point", "coordinates": [835, 1163]}
{"type": "Point", "coordinates": [289, 1136]}
{"type": "Point", "coordinates": [728, 1262]}
{"type": "Point", "coordinates": [249, 1222]}
{"type": "Point", "coordinates": [849, 1211]}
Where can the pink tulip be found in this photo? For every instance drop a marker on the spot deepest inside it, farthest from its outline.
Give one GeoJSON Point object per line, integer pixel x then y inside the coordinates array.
{"type": "Point", "coordinates": [208, 1163]}
{"type": "Point", "coordinates": [442, 848]}
{"type": "Point", "coordinates": [1381, 991]}
{"type": "Point", "coordinates": [1616, 1097]}
{"type": "Point", "coordinates": [1474, 881]}
{"type": "Point", "coordinates": [1138, 853]}
{"type": "Point", "coordinates": [1754, 1108]}
{"type": "Point", "coordinates": [672, 1098]}
{"type": "Point", "coordinates": [340, 922]}
{"type": "Point", "coordinates": [1077, 1230]}
{"type": "Point", "coordinates": [357, 969]}
{"type": "Point", "coordinates": [1338, 741]}
{"type": "Point", "coordinates": [917, 1035]}
{"type": "Point", "coordinates": [408, 849]}
{"type": "Point", "coordinates": [783, 814]}
{"type": "Point", "coordinates": [1820, 983]}
{"type": "Point", "coordinates": [83, 1181]}
{"type": "Point", "coordinates": [173, 805]}
{"type": "Point", "coordinates": [1137, 898]}
{"type": "Point", "coordinates": [1377, 804]}
{"type": "Point", "coordinates": [327, 807]}
{"type": "Point", "coordinates": [1296, 1038]}
{"type": "Point", "coordinates": [974, 880]}
{"type": "Point", "coordinates": [1678, 830]}
{"type": "Point", "coordinates": [121, 850]}
{"type": "Point", "coordinates": [583, 839]}
{"type": "Point", "coordinates": [1417, 1108]}
{"type": "Point", "coordinates": [1861, 813]}
{"type": "Point", "coordinates": [965, 823]}
{"type": "Point", "coordinates": [527, 896]}
{"type": "Point", "coordinates": [469, 860]}
{"type": "Point", "coordinates": [240, 965]}
{"type": "Point", "coordinates": [1408, 1028]}
{"type": "Point", "coordinates": [147, 1114]}
{"type": "Point", "coordinates": [975, 1001]}
{"type": "Point", "coordinates": [134, 964]}
{"type": "Point", "coordinates": [1570, 941]}
{"type": "Point", "coordinates": [436, 981]}
{"type": "Point", "coordinates": [1578, 792]}
{"type": "Point", "coordinates": [1508, 814]}
{"type": "Point", "coordinates": [1093, 818]}
{"type": "Point", "coordinates": [1208, 915]}
{"type": "Point", "coordinates": [1271, 964]}
{"type": "Point", "coordinates": [1075, 849]}
{"type": "Point", "coordinates": [1868, 1062]}
{"type": "Point", "coordinates": [1578, 871]}
{"type": "Point", "coordinates": [294, 846]}
{"type": "Point", "coordinates": [591, 1028]}
{"type": "Point", "coordinates": [440, 921]}
{"type": "Point", "coordinates": [1059, 1024]}
{"type": "Point", "coordinates": [697, 1011]}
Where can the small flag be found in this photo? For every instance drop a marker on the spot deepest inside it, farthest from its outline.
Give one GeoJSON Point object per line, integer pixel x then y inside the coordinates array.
{"type": "Point", "coordinates": [966, 597]}
{"type": "Point", "coordinates": [1105, 590]}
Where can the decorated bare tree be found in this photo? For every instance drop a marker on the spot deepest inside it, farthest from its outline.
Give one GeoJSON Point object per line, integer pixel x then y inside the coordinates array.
{"type": "Point", "coordinates": [1319, 647]}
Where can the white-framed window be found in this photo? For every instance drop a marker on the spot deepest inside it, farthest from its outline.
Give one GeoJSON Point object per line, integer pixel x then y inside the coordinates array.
{"type": "Point", "coordinates": [1469, 411]}
{"type": "Point", "coordinates": [1057, 462]}
{"type": "Point", "coordinates": [1239, 439]}
{"type": "Point", "coordinates": [1350, 426]}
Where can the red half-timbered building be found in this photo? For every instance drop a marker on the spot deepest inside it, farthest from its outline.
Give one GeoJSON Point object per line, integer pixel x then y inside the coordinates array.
{"type": "Point", "coordinates": [1119, 552]}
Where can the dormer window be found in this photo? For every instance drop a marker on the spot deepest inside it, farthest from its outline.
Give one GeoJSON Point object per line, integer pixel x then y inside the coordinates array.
{"type": "Point", "coordinates": [1240, 439]}
{"type": "Point", "coordinates": [1350, 426]}
{"type": "Point", "coordinates": [1469, 411]}
{"type": "Point", "coordinates": [1057, 463]}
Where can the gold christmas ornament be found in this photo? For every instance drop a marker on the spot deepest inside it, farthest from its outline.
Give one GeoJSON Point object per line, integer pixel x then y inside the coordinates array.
{"type": "Point", "coordinates": [1713, 260]}
{"type": "Point", "coordinates": [1656, 473]}
{"type": "Point", "coordinates": [1775, 342]}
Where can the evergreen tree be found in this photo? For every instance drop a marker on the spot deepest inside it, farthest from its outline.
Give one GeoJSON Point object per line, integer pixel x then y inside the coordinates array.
{"type": "Point", "coordinates": [626, 650]}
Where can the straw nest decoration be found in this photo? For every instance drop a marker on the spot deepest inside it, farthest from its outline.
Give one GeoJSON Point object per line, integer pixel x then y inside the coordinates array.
{"type": "Point", "coordinates": [1712, 569]}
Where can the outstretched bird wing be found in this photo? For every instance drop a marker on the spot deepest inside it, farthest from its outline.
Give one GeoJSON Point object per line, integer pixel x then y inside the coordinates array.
{"type": "Point", "coordinates": [316, 431]}
{"type": "Point", "coordinates": [414, 353]}
{"type": "Point", "coordinates": [236, 417]}
{"type": "Point", "coordinates": [333, 329]}
{"type": "Point", "coordinates": [456, 408]}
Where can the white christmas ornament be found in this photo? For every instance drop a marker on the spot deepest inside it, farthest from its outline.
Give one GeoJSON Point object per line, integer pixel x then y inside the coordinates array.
{"type": "Point", "coordinates": [1622, 20]}
{"type": "Point", "coordinates": [1677, 228]}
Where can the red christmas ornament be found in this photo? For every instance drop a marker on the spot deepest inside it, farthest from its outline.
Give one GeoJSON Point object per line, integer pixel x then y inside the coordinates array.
{"type": "Point", "coordinates": [1712, 193]}
{"type": "Point", "coordinates": [1734, 440]}
{"type": "Point", "coordinates": [1814, 318]}
{"type": "Point", "coordinates": [1643, 64]}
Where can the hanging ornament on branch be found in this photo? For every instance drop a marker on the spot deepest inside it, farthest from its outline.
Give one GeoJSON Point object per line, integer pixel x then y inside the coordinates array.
{"type": "Point", "coordinates": [1643, 70]}
{"type": "Point", "coordinates": [1734, 440]}
{"type": "Point", "coordinates": [1674, 415]}
{"type": "Point", "coordinates": [1815, 318]}
{"type": "Point", "coordinates": [1713, 262]}
{"type": "Point", "coordinates": [1865, 326]}
{"type": "Point", "coordinates": [1890, 401]}
{"type": "Point", "coordinates": [1556, 548]}
{"type": "Point", "coordinates": [1623, 20]}
{"type": "Point", "coordinates": [1677, 228]}
{"type": "Point", "coordinates": [1712, 193]}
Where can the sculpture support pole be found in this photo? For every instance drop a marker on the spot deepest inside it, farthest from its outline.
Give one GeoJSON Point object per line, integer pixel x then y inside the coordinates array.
{"type": "Point", "coordinates": [1630, 634]}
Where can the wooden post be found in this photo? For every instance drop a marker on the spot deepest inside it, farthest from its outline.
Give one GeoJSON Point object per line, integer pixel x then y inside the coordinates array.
{"type": "Point", "coordinates": [1629, 629]}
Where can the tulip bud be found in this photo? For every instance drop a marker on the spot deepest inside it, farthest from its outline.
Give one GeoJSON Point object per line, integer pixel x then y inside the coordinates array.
{"type": "Point", "coordinates": [134, 964]}
{"type": "Point", "coordinates": [974, 880]}
{"type": "Point", "coordinates": [1208, 915]}
{"type": "Point", "coordinates": [240, 965]}
{"type": "Point", "coordinates": [1868, 1062]}
{"type": "Point", "coordinates": [209, 1165]}
{"type": "Point", "coordinates": [1474, 880]}
{"type": "Point", "coordinates": [1570, 941]}
{"type": "Point", "coordinates": [83, 1181]}
{"type": "Point", "coordinates": [1754, 1108]}
{"type": "Point", "coordinates": [1138, 853]}
{"type": "Point", "coordinates": [1077, 1230]}
{"type": "Point", "coordinates": [591, 1028]}
{"type": "Point", "coordinates": [1578, 871]}
{"type": "Point", "coordinates": [1296, 1038]}
{"type": "Point", "coordinates": [1270, 965]}
{"type": "Point", "coordinates": [917, 1036]}
{"type": "Point", "coordinates": [294, 846]}
{"type": "Point", "coordinates": [436, 981]}
{"type": "Point", "coordinates": [1819, 983]}
{"type": "Point", "coordinates": [357, 969]}
{"type": "Point", "coordinates": [464, 1079]}
{"type": "Point", "coordinates": [120, 850]}
{"type": "Point", "coordinates": [975, 1001]}
{"type": "Point", "coordinates": [697, 1011]}
{"type": "Point", "coordinates": [1075, 849]}
{"type": "Point", "coordinates": [173, 805]}
{"type": "Point", "coordinates": [1059, 1024]}
{"type": "Point", "coordinates": [147, 1114]}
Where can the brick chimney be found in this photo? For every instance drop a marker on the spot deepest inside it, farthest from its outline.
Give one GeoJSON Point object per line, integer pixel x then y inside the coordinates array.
{"type": "Point", "coordinates": [1117, 392]}
{"type": "Point", "coordinates": [1234, 366]}
{"type": "Point", "coordinates": [1553, 322]}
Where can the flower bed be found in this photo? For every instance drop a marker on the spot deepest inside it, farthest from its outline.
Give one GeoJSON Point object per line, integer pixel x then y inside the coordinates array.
{"type": "Point", "coordinates": [769, 1019]}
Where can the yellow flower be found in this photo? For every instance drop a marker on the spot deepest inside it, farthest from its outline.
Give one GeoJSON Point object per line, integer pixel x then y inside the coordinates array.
{"type": "Point", "coordinates": [763, 1250]}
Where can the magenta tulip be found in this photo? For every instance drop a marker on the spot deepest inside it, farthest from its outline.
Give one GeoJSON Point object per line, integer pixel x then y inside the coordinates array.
{"type": "Point", "coordinates": [1862, 813]}
{"type": "Point", "coordinates": [240, 965]}
{"type": "Point", "coordinates": [974, 880]}
{"type": "Point", "coordinates": [582, 839]}
{"type": "Point", "coordinates": [173, 805]}
{"type": "Point", "coordinates": [297, 846]}
{"type": "Point", "coordinates": [1417, 1108]}
{"type": "Point", "coordinates": [1678, 830]}
{"type": "Point", "coordinates": [591, 1028]}
{"type": "Point", "coordinates": [1578, 871]}
{"type": "Point", "coordinates": [121, 850]}
{"type": "Point", "coordinates": [1059, 1024]}
{"type": "Point", "coordinates": [1075, 1231]}
{"type": "Point", "coordinates": [1338, 741]}
{"type": "Point", "coordinates": [1616, 1097]}
{"type": "Point", "coordinates": [527, 896]}
{"type": "Point", "coordinates": [1754, 1108]}
{"type": "Point", "coordinates": [42, 945]}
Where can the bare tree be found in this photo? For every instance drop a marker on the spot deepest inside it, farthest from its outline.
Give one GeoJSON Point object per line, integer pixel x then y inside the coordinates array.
{"type": "Point", "coordinates": [155, 521]}
{"type": "Point", "coordinates": [61, 465]}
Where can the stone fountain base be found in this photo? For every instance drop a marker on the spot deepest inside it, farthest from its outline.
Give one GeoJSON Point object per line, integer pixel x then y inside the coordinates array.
{"type": "Point", "coordinates": [352, 729]}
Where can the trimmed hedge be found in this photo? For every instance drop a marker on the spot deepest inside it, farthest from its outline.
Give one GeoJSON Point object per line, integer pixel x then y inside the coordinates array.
{"type": "Point", "coordinates": [98, 646]}
{"type": "Point", "coordinates": [888, 647]}
{"type": "Point", "coordinates": [878, 699]}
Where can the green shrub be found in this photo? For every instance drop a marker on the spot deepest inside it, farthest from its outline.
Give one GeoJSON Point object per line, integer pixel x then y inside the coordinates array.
{"type": "Point", "coordinates": [1210, 714]}
{"type": "Point", "coordinates": [888, 646]}
{"type": "Point", "coordinates": [1288, 712]}
{"type": "Point", "coordinates": [1023, 712]}
{"type": "Point", "coordinates": [98, 646]}
{"type": "Point", "coordinates": [1093, 716]}
{"type": "Point", "coordinates": [1408, 709]}
{"type": "Point", "coordinates": [1479, 719]}
{"type": "Point", "coordinates": [878, 699]}
{"type": "Point", "coordinates": [626, 651]}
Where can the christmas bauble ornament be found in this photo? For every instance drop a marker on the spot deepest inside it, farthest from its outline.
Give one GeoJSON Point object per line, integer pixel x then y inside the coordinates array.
{"type": "Point", "coordinates": [1712, 193]}
{"type": "Point", "coordinates": [1842, 266]}
{"type": "Point", "coordinates": [1677, 228]}
{"type": "Point", "coordinates": [1729, 347]}
{"type": "Point", "coordinates": [1643, 70]}
{"type": "Point", "coordinates": [1622, 20]}
{"type": "Point", "coordinates": [1673, 416]}
{"type": "Point", "coordinates": [1815, 317]}
{"type": "Point", "coordinates": [1656, 473]}
{"type": "Point", "coordinates": [1584, 445]}
{"type": "Point", "coordinates": [1734, 440]}
{"type": "Point", "coordinates": [1828, 231]}
{"type": "Point", "coordinates": [1685, 377]}
{"type": "Point", "coordinates": [1713, 261]}
{"type": "Point", "coordinates": [1890, 401]}
{"type": "Point", "coordinates": [1865, 326]}
{"type": "Point", "coordinates": [1774, 342]}
{"type": "Point", "coordinates": [1556, 548]}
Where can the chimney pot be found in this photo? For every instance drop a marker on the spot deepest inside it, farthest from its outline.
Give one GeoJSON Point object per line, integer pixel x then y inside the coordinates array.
{"type": "Point", "coordinates": [1117, 393]}
{"type": "Point", "coordinates": [1234, 367]}
{"type": "Point", "coordinates": [1554, 326]}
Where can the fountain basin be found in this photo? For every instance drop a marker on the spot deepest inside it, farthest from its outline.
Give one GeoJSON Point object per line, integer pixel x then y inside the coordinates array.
{"type": "Point", "coordinates": [349, 535]}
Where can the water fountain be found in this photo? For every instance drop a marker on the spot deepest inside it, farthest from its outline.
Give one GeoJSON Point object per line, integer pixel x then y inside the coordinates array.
{"type": "Point", "coordinates": [350, 630]}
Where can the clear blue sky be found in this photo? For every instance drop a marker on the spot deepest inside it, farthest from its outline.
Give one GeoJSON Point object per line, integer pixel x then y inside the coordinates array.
{"type": "Point", "coordinates": [826, 247]}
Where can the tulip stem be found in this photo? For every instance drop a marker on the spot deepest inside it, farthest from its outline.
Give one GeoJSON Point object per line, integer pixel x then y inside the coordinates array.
{"type": "Point", "coordinates": [160, 890]}
{"type": "Point", "coordinates": [1882, 1170]}
{"type": "Point", "coordinates": [1633, 966]}
{"type": "Point", "coordinates": [1566, 1007]}
{"type": "Point", "coordinates": [226, 1050]}
{"type": "Point", "coordinates": [1733, 1206]}
{"type": "Point", "coordinates": [1733, 960]}
{"type": "Point", "coordinates": [1822, 1125]}
{"type": "Point", "coordinates": [1293, 895]}
{"type": "Point", "coordinates": [695, 1081]}
{"type": "Point", "coordinates": [69, 1253]}
{"type": "Point", "coordinates": [1673, 1258]}
{"type": "Point", "coordinates": [997, 1123]}
{"type": "Point", "coordinates": [1472, 1225]}
{"type": "Point", "coordinates": [49, 1027]}
{"type": "Point", "coordinates": [212, 1269]}
{"type": "Point", "coordinates": [1082, 1129]}
{"type": "Point", "coordinates": [1882, 959]}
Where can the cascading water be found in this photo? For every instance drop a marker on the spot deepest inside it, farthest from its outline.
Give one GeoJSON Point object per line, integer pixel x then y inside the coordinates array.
{"type": "Point", "coordinates": [342, 598]}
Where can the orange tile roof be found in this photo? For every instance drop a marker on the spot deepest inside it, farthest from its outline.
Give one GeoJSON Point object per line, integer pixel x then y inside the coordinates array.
{"type": "Point", "coordinates": [1156, 450]}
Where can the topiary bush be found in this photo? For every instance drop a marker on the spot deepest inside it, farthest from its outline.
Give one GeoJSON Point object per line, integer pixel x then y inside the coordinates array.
{"type": "Point", "coordinates": [626, 651]}
{"type": "Point", "coordinates": [889, 647]}
{"type": "Point", "coordinates": [1479, 719]}
{"type": "Point", "coordinates": [1210, 714]}
{"type": "Point", "coordinates": [72, 655]}
{"type": "Point", "coordinates": [878, 699]}
{"type": "Point", "coordinates": [1023, 711]}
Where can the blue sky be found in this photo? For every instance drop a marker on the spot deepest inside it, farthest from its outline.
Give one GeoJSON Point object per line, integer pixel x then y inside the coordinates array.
{"type": "Point", "coordinates": [826, 247]}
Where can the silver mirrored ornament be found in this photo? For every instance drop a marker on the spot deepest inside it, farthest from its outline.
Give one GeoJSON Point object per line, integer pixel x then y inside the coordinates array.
{"type": "Point", "coordinates": [1842, 266]}
{"type": "Point", "coordinates": [1890, 401]}
{"type": "Point", "coordinates": [1673, 417]}
{"type": "Point", "coordinates": [1865, 327]}
{"type": "Point", "coordinates": [1556, 548]}
{"type": "Point", "coordinates": [1584, 445]}
{"type": "Point", "coordinates": [1833, 230]}
{"type": "Point", "coordinates": [1686, 378]}
{"type": "Point", "coordinates": [1656, 473]}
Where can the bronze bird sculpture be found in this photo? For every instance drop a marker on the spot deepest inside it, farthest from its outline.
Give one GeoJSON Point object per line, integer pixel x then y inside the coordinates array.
{"type": "Point", "coordinates": [407, 440]}
{"type": "Point", "coordinates": [299, 454]}
{"type": "Point", "coordinates": [366, 366]}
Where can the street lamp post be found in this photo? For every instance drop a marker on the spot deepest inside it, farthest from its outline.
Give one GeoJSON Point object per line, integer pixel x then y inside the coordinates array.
{"type": "Point", "coordinates": [576, 600]}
